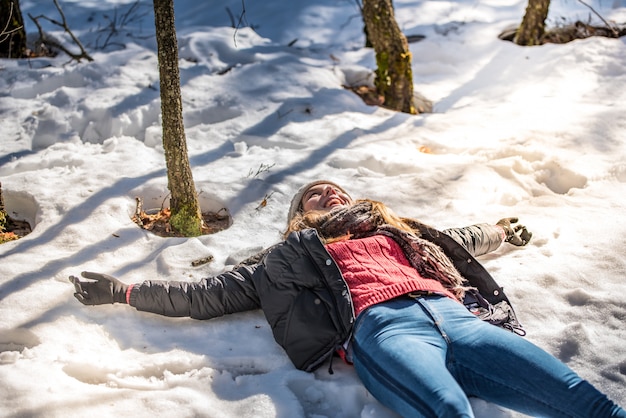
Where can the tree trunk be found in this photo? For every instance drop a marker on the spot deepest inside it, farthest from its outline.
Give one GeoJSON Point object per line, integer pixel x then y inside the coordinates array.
{"type": "Point", "coordinates": [12, 32]}
{"type": "Point", "coordinates": [185, 208]}
{"type": "Point", "coordinates": [3, 213]}
{"type": "Point", "coordinates": [394, 77]}
{"type": "Point", "coordinates": [532, 28]}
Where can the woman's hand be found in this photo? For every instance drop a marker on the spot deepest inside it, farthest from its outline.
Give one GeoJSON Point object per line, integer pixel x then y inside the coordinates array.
{"type": "Point", "coordinates": [99, 289]}
{"type": "Point", "coordinates": [516, 235]}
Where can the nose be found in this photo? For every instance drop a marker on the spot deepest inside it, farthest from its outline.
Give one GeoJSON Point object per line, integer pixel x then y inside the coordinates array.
{"type": "Point", "coordinates": [329, 190]}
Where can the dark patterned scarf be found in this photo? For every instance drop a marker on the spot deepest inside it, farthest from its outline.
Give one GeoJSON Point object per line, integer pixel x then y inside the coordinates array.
{"type": "Point", "coordinates": [360, 221]}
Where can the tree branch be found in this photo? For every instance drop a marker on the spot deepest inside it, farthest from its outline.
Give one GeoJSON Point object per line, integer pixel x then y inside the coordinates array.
{"type": "Point", "coordinates": [611, 28]}
{"type": "Point", "coordinates": [5, 34]}
{"type": "Point", "coordinates": [49, 42]}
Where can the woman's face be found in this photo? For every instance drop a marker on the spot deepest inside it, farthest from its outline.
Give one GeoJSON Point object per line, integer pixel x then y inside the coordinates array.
{"type": "Point", "coordinates": [324, 197]}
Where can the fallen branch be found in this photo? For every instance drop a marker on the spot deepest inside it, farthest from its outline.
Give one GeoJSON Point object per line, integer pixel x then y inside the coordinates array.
{"type": "Point", "coordinates": [54, 44]}
{"type": "Point", "coordinates": [615, 31]}
{"type": "Point", "coordinates": [201, 261]}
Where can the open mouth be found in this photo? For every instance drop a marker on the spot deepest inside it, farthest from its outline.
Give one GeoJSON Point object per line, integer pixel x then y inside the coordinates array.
{"type": "Point", "coordinates": [332, 202]}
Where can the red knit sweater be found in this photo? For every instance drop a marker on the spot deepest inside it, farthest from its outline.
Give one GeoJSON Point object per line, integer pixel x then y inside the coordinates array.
{"type": "Point", "coordinates": [376, 270]}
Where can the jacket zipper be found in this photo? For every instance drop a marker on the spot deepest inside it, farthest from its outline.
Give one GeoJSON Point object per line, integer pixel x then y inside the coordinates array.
{"type": "Point", "coordinates": [327, 286]}
{"type": "Point", "coordinates": [335, 305]}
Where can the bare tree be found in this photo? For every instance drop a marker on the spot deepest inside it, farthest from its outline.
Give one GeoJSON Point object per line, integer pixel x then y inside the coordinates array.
{"type": "Point", "coordinates": [394, 76]}
{"type": "Point", "coordinates": [12, 32]}
{"type": "Point", "coordinates": [186, 217]}
{"type": "Point", "coordinates": [533, 25]}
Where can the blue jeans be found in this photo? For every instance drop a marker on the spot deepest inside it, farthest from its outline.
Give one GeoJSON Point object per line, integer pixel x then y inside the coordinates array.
{"type": "Point", "coordinates": [423, 357]}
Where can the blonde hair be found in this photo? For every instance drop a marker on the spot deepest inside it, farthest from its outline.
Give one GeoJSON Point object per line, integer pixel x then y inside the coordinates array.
{"type": "Point", "coordinates": [314, 218]}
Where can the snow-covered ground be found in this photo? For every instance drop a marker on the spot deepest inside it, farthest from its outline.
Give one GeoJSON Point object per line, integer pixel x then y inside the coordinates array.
{"type": "Point", "coordinates": [536, 132]}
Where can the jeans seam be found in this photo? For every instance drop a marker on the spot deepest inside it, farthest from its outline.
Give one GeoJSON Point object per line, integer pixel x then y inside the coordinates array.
{"type": "Point", "coordinates": [374, 367]}
{"type": "Point", "coordinates": [509, 387]}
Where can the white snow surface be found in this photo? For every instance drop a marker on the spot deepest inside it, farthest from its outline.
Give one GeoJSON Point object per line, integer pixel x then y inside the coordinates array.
{"type": "Point", "coordinates": [537, 133]}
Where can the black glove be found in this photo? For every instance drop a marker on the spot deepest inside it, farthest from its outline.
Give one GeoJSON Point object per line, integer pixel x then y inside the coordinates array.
{"type": "Point", "coordinates": [105, 289]}
{"type": "Point", "coordinates": [517, 235]}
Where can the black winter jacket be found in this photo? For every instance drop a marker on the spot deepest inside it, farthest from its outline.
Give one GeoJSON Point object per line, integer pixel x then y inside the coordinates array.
{"type": "Point", "coordinates": [302, 292]}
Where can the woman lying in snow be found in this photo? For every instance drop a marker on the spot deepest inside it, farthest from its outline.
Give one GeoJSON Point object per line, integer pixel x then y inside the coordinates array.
{"type": "Point", "coordinates": [408, 305]}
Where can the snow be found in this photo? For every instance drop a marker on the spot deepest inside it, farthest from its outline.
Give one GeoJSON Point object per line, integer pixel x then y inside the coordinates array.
{"type": "Point", "coordinates": [536, 133]}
